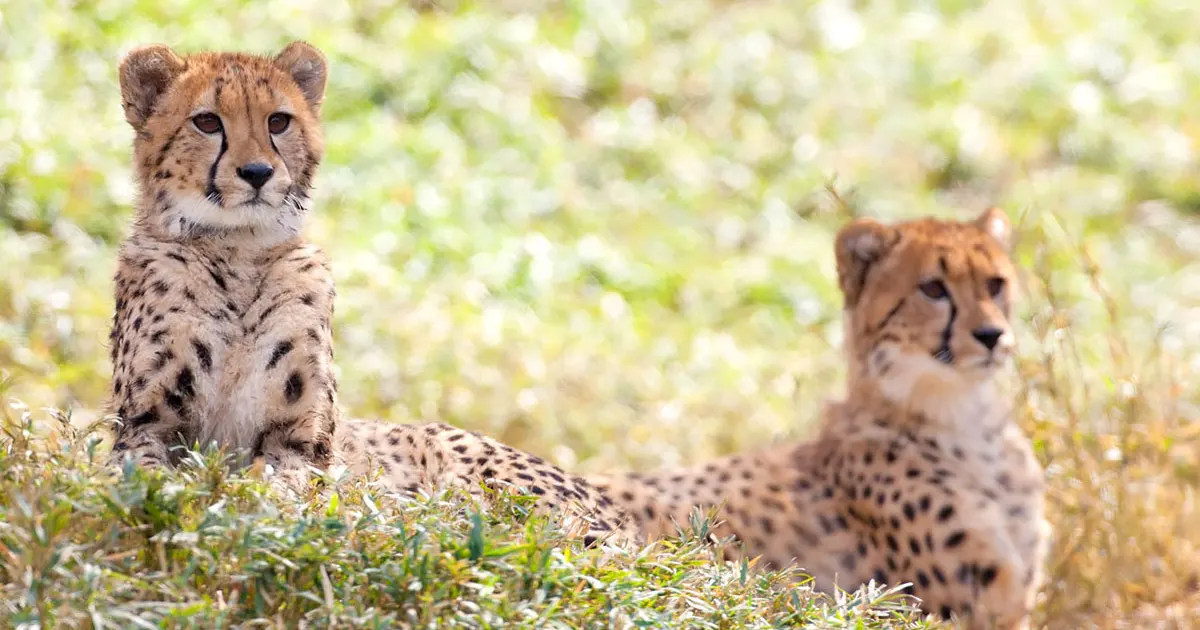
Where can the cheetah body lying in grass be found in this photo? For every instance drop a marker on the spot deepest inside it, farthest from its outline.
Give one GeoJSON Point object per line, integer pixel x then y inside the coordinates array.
{"type": "Point", "coordinates": [222, 330]}
{"type": "Point", "coordinates": [920, 475]}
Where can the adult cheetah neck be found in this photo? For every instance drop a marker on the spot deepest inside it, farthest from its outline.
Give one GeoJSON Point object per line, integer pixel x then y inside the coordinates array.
{"type": "Point", "coordinates": [983, 409]}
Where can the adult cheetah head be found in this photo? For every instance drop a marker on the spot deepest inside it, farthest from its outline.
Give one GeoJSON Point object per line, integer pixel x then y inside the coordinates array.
{"type": "Point", "coordinates": [927, 304]}
{"type": "Point", "coordinates": [225, 142]}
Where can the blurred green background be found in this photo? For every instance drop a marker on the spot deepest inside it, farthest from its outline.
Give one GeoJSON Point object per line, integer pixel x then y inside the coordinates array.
{"type": "Point", "coordinates": [600, 230]}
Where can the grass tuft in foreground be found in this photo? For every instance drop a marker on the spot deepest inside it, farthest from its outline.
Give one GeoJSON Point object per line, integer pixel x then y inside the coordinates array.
{"type": "Point", "coordinates": [82, 546]}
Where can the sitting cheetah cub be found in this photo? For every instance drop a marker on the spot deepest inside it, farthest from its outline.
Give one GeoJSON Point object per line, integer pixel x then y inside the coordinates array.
{"type": "Point", "coordinates": [222, 326]}
{"type": "Point", "coordinates": [920, 475]}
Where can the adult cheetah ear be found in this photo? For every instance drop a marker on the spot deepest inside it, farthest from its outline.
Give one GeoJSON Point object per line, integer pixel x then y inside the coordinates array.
{"type": "Point", "coordinates": [860, 245]}
{"type": "Point", "coordinates": [995, 224]}
{"type": "Point", "coordinates": [145, 74]}
{"type": "Point", "coordinates": [306, 65]}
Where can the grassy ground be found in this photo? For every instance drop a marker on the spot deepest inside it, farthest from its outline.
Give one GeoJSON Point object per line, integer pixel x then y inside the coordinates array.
{"type": "Point", "coordinates": [598, 232]}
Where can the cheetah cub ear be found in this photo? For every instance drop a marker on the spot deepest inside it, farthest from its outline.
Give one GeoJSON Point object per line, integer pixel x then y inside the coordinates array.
{"type": "Point", "coordinates": [995, 224]}
{"type": "Point", "coordinates": [860, 245]}
{"type": "Point", "coordinates": [306, 65]}
{"type": "Point", "coordinates": [145, 74]}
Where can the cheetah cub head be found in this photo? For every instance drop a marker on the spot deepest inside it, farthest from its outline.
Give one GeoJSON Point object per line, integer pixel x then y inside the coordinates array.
{"type": "Point", "coordinates": [225, 142]}
{"type": "Point", "coordinates": [927, 307]}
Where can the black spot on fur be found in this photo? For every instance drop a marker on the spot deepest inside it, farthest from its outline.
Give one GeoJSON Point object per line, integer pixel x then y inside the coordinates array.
{"type": "Point", "coordinates": [142, 419]}
{"type": "Point", "coordinates": [217, 278]}
{"type": "Point", "coordinates": [185, 383]}
{"type": "Point", "coordinates": [166, 148]}
{"type": "Point", "coordinates": [922, 579]}
{"type": "Point", "coordinates": [892, 313]}
{"type": "Point", "coordinates": [161, 359]}
{"type": "Point", "coordinates": [938, 575]}
{"type": "Point", "coordinates": [294, 388]}
{"type": "Point", "coordinates": [175, 402]}
{"type": "Point", "coordinates": [280, 351]}
{"type": "Point", "coordinates": [203, 354]}
{"type": "Point", "coordinates": [955, 539]}
{"type": "Point", "coordinates": [987, 575]}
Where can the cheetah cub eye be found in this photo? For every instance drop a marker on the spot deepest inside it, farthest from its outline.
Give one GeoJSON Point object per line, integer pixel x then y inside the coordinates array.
{"type": "Point", "coordinates": [278, 122]}
{"type": "Point", "coordinates": [995, 287]}
{"type": "Point", "coordinates": [934, 289]}
{"type": "Point", "coordinates": [207, 123]}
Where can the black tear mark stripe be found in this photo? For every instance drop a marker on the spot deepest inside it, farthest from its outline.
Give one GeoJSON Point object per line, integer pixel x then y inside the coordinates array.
{"type": "Point", "coordinates": [943, 353]}
{"type": "Point", "coordinates": [948, 331]}
{"type": "Point", "coordinates": [310, 161]}
{"type": "Point", "coordinates": [211, 190]}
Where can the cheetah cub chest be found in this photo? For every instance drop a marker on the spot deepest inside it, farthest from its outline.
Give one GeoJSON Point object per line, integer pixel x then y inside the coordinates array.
{"type": "Point", "coordinates": [222, 325]}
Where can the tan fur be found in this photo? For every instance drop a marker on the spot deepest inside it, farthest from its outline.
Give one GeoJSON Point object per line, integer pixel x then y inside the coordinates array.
{"type": "Point", "coordinates": [920, 475]}
{"type": "Point", "coordinates": [222, 331]}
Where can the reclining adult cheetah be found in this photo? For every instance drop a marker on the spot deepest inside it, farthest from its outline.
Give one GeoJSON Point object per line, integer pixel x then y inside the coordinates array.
{"type": "Point", "coordinates": [920, 475]}
{"type": "Point", "coordinates": [222, 325]}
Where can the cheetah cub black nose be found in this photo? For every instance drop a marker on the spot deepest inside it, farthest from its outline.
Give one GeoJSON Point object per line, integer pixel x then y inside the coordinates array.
{"type": "Point", "coordinates": [989, 336]}
{"type": "Point", "coordinates": [256, 173]}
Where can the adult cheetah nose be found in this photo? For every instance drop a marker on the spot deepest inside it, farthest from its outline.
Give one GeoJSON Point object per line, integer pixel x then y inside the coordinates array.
{"type": "Point", "coordinates": [256, 173]}
{"type": "Point", "coordinates": [989, 336]}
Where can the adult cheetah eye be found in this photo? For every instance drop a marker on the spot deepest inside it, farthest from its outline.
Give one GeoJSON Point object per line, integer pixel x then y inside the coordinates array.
{"type": "Point", "coordinates": [995, 286]}
{"type": "Point", "coordinates": [207, 123]}
{"type": "Point", "coordinates": [934, 289]}
{"type": "Point", "coordinates": [278, 122]}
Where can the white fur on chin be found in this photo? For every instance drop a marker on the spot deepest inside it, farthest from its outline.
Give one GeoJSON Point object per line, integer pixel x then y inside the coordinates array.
{"type": "Point", "coordinates": [264, 223]}
{"type": "Point", "coordinates": [942, 393]}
